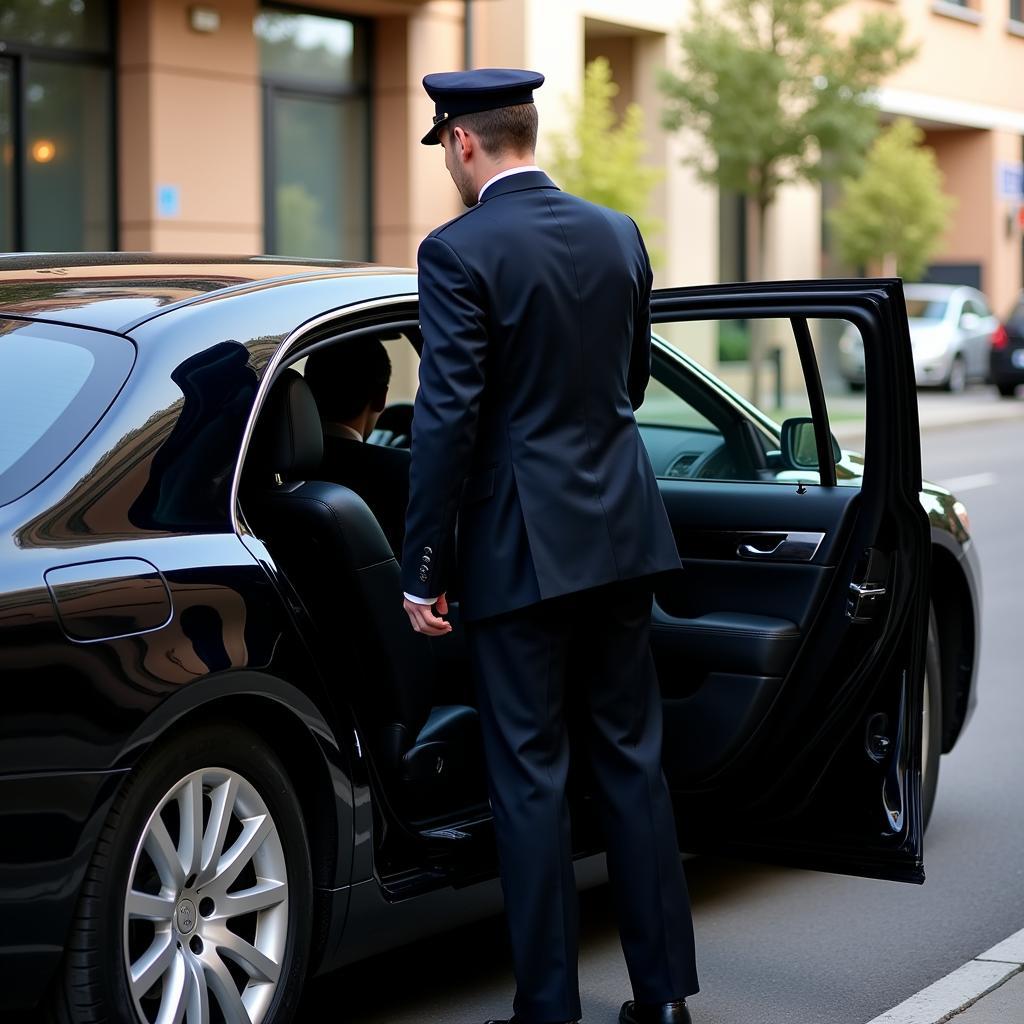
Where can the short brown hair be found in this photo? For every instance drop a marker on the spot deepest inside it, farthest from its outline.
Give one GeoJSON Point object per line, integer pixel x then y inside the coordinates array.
{"type": "Point", "coordinates": [502, 130]}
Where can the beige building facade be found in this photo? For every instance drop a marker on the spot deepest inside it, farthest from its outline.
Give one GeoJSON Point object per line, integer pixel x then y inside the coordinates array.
{"type": "Point", "coordinates": [242, 126]}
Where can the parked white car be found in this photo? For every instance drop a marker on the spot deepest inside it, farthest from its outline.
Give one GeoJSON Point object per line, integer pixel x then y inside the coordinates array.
{"type": "Point", "coordinates": [951, 327]}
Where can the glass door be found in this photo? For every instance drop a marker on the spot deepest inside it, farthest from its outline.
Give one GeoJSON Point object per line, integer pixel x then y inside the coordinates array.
{"type": "Point", "coordinates": [7, 166]}
{"type": "Point", "coordinates": [317, 176]}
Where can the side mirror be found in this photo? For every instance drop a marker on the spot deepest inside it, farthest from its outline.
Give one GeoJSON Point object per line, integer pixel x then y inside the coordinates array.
{"type": "Point", "coordinates": [800, 446]}
{"type": "Point", "coordinates": [970, 322]}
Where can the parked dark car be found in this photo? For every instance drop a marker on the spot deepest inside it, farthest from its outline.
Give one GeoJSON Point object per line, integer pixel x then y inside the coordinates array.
{"type": "Point", "coordinates": [1006, 358]}
{"type": "Point", "coordinates": [226, 761]}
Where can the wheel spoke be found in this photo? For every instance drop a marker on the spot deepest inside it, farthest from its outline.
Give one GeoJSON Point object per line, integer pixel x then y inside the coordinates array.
{"type": "Point", "coordinates": [229, 867]}
{"type": "Point", "coordinates": [224, 990]}
{"type": "Point", "coordinates": [222, 801]}
{"type": "Point", "coordinates": [152, 965]}
{"type": "Point", "coordinates": [197, 1009]}
{"type": "Point", "coordinates": [172, 1000]}
{"type": "Point", "coordinates": [265, 894]}
{"type": "Point", "coordinates": [257, 965]}
{"type": "Point", "coordinates": [162, 852]}
{"type": "Point", "coordinates": [147, 907]}
{"type": "Point", "coordinates": [190, 811]}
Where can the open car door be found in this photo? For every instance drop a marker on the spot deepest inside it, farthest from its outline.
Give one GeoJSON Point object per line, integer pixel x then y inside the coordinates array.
{"type": "Point", "coordinates": [791, 648]}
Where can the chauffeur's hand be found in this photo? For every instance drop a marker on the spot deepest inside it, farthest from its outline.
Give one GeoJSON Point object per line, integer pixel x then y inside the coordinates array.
{"type": "Point", "coordinates": [424, 620]}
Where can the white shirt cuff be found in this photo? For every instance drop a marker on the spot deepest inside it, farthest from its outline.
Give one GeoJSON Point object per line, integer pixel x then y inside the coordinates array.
{"type": "Point", "coordinates": [420, 600]}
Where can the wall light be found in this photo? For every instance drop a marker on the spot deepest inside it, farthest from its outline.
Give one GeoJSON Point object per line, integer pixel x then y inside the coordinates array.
{"type": "Point", "coordinates": [43, 151]}
{"type": "Point", "coordinates": [203, 19]}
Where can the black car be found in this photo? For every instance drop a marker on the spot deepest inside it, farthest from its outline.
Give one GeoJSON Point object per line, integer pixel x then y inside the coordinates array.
{"type": "Point", "coordinates": [1006, 354]}
{"type": "Point", "coordinates": [226, 761]}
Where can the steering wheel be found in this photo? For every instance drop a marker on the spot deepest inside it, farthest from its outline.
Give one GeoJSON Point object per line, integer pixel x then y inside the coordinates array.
{"type": "Point", "coordinates": [394, 426]}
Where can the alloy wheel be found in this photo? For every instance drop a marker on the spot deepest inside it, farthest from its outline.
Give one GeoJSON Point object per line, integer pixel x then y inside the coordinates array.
{"type": "Point", "coordinates": [957, 375]}
{"type": "Point", "coordinates": [206, 907]}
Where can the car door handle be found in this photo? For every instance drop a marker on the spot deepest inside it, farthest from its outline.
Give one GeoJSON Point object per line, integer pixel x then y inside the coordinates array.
{"type": "Point", "coordinates": [795, 546]}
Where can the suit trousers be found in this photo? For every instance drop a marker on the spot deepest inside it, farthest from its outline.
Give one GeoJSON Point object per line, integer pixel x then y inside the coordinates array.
{"type": "Point", "coordinates": [595, 643]}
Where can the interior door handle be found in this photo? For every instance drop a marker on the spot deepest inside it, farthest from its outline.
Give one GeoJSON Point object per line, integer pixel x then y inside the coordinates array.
{"type": "Point", "coordinates": [795, 546]}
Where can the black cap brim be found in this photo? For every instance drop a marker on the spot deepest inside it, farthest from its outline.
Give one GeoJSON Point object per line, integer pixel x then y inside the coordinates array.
{"type": "Point", "coordinates": [433, 137]}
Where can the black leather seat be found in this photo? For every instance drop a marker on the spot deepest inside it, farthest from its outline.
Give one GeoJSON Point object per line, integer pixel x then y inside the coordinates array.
{"type": "Point", "coordinates": [329, 544]}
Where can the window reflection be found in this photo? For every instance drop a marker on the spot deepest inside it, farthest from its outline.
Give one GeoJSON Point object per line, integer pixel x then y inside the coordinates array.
{"type": "Point", "coordinates": [321, 196]}
{"type": "Point", "coordinates": [63, 24]}
{"type": "Point", "coordinates": [308, 46]}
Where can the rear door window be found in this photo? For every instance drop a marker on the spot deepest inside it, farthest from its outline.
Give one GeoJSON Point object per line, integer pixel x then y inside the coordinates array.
{"type": "Point", "coordinates": [55, 384]}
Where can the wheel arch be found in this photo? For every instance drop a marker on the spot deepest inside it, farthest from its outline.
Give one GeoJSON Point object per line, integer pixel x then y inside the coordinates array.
{"type": "Point", "coordinates": [293, 726]}
{"type": "Point", "coordinates": [954, 606]}
{"type": "Point", "coordinates": [317, 763]}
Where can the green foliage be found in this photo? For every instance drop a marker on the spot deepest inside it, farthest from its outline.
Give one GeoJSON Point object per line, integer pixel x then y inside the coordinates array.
{"type": "Point", "coordinates": [895, 212]}
{"type": "Point", "coordinates": [602, 160]}
{"type": "Point", "coordinates": [733, 341]}
{"type": "Point", "coordinates": [775, 95]}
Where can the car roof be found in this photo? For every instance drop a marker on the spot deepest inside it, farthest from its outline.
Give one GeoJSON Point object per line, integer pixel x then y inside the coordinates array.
{"type": "Point", "coordinates": [116, 291]}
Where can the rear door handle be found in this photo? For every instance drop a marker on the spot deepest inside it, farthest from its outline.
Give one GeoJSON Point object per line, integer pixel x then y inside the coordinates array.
{"type": "Point", "coordinates": [795, 546]}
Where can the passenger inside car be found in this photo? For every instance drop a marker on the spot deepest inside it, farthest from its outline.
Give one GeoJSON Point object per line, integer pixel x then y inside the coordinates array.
{"type": "Point", "coordinates": [423, 738]}
{"type": "Point", "coordinates": [350, 383]}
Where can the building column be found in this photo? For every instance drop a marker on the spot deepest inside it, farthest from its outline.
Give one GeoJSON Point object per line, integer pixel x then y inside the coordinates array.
{"type": "Point", "coordinates": [190, 155]}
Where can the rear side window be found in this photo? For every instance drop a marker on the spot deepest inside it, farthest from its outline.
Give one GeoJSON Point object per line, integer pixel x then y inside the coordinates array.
{"type": "Point", "coordinates": [55, 384]}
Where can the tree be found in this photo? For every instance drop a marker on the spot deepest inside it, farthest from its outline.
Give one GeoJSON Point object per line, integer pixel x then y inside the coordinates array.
{"type": "Point", "coordinates": [602, 160]}
{"type": "Point", "coordinates": [895, 213]}
{"type": "Point", "coordinates": [776, 97]}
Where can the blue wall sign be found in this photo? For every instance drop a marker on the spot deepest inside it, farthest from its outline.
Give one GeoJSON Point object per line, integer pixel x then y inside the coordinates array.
{"type": "Point", "coordinates": [1010, 180]}
{"type": "Point", "coordinates": [168, 201]}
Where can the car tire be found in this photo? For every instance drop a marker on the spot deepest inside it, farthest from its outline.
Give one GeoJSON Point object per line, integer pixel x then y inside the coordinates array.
{"type": "Point", "coordinates": [931, 720]}
{"type": "Point", "coordinates": [956, 382]}
{"type": "Point", "coordinates": [855, 386]}
{"type": "Point", "coordinates": [1007, 390]}
{"type": "Point", "coordinates": [197, 954]}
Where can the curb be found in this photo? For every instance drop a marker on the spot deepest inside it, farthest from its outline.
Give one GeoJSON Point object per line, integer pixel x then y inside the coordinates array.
{"type": "Point", "coordinates": [968, 984]}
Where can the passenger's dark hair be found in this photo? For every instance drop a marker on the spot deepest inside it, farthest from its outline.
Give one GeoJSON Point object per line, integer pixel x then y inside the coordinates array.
{"type": "Point", "coordinates": [507, 129]}
{"type": "Point", "coordinates": [346, 377]}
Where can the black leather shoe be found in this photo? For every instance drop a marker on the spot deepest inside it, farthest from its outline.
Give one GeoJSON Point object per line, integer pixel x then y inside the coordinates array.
{"type": "Point", "coordinates": [655, 1013]}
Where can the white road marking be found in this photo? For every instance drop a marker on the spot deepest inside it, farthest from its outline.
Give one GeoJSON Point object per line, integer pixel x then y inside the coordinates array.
{"type": "Point", "coordinates": [970, 483]}
{"type": "Point", "coordinates": [965, 986]}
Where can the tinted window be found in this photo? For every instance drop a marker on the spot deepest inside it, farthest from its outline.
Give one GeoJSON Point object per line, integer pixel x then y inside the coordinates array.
{"type": "Point", "coordinates": [926, 309]}
{"type": "Point", "coordinates": [55, 384]}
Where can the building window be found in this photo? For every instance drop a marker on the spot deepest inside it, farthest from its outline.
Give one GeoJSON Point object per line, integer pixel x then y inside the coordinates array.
{"type": "Point", "coordinates": [316, 106]}
{"type": "Point", "coordinates": [1017, 10]}
{"type": "Point", "coordinates": [56, 125]}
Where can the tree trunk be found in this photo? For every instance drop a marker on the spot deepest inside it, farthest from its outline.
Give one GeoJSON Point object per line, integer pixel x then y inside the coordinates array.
{"type": "Point", "coordinates": [759, 328]}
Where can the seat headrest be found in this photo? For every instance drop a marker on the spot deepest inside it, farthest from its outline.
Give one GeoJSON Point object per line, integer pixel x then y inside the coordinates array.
{"type": "Point", "coordinates": [289, 439]}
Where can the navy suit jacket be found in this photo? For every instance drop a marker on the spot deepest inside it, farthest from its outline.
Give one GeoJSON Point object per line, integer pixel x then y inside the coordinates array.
{"type": "Point", "coordinates": [535, 313]}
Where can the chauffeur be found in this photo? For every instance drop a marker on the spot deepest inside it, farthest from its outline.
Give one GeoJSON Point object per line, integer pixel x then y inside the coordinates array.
{"type": "Point", "coordinates": [535, 312]}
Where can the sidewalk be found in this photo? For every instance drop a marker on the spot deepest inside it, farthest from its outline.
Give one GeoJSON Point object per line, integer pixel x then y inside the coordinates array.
{"type": "Point", "coordinates": [937, 411]}
{"type": "Point", "coordinates": [986, 990]}
{"type": "Point", "coordinates": [1004, 1005]}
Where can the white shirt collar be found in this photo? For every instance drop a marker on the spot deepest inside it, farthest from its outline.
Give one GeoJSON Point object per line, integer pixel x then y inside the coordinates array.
{"type": "Point", "coordinates": [504, 174]}
{"type": "Point", "coordinates": [342, 430]}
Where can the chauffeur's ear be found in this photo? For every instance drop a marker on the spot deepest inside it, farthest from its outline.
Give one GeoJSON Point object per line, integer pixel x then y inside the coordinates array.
{"type": "Point", "coordinates": [462, 143]}
{"type": "Point", "coordinates": [379, 400]}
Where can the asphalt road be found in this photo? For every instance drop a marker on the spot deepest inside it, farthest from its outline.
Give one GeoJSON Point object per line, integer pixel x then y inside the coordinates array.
{"type": "Point", "coordinates": [782, 946]}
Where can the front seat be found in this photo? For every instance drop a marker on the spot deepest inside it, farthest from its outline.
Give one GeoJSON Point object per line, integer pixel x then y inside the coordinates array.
{"type": "Point", "coordinates": [333, 551]}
